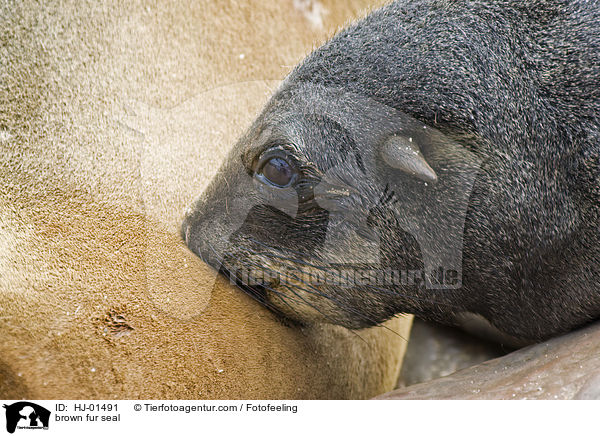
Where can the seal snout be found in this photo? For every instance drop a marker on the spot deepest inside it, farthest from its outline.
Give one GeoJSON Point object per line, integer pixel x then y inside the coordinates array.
{"type": "Point", "coordinates": [192, 233]}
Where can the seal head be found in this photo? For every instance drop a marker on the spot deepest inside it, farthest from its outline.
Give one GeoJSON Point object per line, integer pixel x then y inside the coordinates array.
{"type": "Point", "coordinates": [413, 166]}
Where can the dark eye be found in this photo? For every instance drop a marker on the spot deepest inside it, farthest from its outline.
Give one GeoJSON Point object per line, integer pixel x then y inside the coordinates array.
{"type": "Point", "coordinates": [278, 172]}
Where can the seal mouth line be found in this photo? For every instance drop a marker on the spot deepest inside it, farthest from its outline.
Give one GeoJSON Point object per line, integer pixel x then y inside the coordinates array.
{"type": "Point", "coordinates": [293, 263]}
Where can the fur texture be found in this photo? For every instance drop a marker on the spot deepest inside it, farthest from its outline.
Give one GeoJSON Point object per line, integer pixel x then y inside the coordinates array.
{"type": "Point", "coordinates": [517, 85]}
{"type": "Point", "coordinates": [99, 298]}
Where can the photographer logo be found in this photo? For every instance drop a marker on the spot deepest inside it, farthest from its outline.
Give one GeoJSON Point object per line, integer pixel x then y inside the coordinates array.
{"type": "Point", "coordinates": [24, 415]}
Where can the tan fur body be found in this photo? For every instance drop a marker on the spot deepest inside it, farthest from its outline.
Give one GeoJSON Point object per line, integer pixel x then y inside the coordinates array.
{"type": "Point", "coordinates": [99, 297]}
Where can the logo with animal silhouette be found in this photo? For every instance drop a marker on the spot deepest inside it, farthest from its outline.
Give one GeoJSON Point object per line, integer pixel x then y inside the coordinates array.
{"type": "Point", "coordinates": [26, 415]}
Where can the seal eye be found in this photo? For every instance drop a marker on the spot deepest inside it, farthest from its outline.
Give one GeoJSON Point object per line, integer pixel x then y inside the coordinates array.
{"type": "Point", "coordinates": [278, 172]}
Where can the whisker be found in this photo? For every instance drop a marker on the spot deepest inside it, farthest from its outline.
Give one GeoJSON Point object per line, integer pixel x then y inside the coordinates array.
{"type": "Point", "coordinates": [247, 289]}
{"type": "Point", "coordinates": [254, 294]}
{"type": "Point", "coordinates": [283, 299]}
{"type": "Point", "coordinates": [293, 262]}
{"type": "Point", "coordinates": [331, 320]}
{"type": "Point", "coordinates": [312, 265]}
{"type": "Point", "coordinates": [299, 253]}
{"type": "Point", "coordinates": [318, 293]}
{"type": "Point", "coordinates": [372, 288]}
{"type": "Point", "coordinates": [343, 306]}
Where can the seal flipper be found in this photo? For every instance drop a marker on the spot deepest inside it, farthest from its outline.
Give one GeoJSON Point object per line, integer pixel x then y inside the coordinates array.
{"type": "Point", "coordinates": [403, 153]}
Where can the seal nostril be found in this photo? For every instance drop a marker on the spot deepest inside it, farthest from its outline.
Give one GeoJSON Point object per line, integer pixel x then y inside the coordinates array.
{"type": "Point", "coordinates": [185, 233]}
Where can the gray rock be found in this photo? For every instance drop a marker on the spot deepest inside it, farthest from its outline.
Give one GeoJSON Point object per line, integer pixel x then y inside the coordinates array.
{"type": "Point", "coordinates": [436, 351]}
{"type": "Point", "coordinates": [566, 367]}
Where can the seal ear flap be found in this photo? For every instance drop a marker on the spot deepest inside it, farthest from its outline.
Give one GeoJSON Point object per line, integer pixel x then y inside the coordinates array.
{"type": "Point", "coordinates": [403, 153]}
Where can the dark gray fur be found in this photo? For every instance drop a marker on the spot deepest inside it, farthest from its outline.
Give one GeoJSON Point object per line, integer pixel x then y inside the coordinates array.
{"type": "Point", "coordinates": [518, 84]}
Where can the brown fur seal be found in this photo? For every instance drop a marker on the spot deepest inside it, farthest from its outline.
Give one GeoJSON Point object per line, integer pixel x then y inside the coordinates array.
{"type": "Point", "coordinates": [439, 158]}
